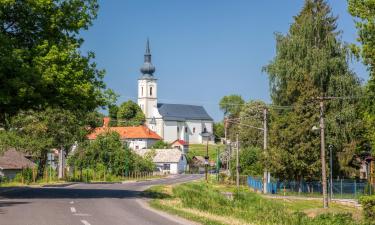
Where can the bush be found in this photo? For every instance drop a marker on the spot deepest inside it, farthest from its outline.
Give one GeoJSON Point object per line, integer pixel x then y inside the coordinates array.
{"type": "Point", "coordinates": [368, 204]}
{"type": "Point", "coordinates": [25, 176]}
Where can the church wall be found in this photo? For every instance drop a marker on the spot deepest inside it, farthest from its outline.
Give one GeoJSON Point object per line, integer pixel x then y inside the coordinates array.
{"type": "Point", "coordinates": [170, 131]}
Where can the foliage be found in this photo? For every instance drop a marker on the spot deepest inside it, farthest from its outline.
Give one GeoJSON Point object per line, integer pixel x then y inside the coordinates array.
{"type": "Point", "coordinates": [310, 62]}
{"type": "Point", "coordinates": [200, 150]}
{"type": "Point", "coordinates": [231, 105]}
{"type": "Point", "coordinates": [368, 204]}
{"type": "Point", "coordinates": [107, 153]}
{"type": "Point", "coordinates": [249, 160]}
{"type": "Point", "coordinates": [219, 131]}
{"type": "Point", "coordinates": [364, 13]}
{"type": "Point", "coordinates": [244, 207]}
{"type": "Point", "coordinates": [40, 60]}
{"type": "Point", "coordinates": [251, 115]}
{"type": "Point", "coordinates": [130, 114]}
{"type": "Point", "coordinates": [161, 145]}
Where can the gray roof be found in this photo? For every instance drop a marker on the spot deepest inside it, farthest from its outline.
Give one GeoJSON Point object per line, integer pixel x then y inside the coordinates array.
{"type": "Point", "coordinates": [13, 159]}
{"type": "Point", "coordinates": [181, 112]}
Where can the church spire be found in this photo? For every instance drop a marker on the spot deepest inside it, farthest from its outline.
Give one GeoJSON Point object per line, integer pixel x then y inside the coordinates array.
{"type": "Point", "coordinates": [147, 69]}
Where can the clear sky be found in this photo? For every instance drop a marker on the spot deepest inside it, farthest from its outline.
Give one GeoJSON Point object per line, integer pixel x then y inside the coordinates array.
{"type": "Point", "coordinates": [202, 49]}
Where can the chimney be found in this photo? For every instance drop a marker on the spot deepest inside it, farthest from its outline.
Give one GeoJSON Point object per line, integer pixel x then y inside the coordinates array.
{"type": "Point", "coordinates": [106, 121]}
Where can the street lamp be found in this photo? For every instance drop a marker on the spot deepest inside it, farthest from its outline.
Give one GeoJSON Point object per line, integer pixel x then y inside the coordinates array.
{"type": "Point", "coordinates": [207, 135]}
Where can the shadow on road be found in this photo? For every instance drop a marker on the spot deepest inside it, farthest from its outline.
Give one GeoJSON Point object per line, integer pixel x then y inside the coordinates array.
{"type": "Point", "coordinates": [70, 193]}
{"type": "Point", "coordinates": [8, 204]}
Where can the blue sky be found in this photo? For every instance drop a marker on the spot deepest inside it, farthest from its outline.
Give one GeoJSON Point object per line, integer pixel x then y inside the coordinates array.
{"type": "Point", "coordinates": [202, 49]}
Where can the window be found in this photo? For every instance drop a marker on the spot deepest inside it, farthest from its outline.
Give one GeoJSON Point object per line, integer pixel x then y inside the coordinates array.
{"type": "Point", "coordinates": [166, 166]}
{"type": "Point", "coordinates": [178, 129]}
{"type": "Point", "coordinates": [204, 130]}
{"type": "Point", "coordinates": [186, 129]}
{"type": "Point", "coordinates": [136, 147]}
{"type": "Point", "coordinates": [142, 91]}
{"type": "Point", "coordinates": [150, 91]}
{"type": "Point", "coordinates": [194, 130]}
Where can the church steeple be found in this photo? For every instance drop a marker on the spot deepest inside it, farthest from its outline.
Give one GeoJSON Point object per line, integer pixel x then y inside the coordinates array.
{"type": "Point", "coordinates": [147, 69]}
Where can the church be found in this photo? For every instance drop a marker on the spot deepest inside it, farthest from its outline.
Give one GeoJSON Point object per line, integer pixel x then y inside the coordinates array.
{"type": "Point", "coordinates": [190, 123]}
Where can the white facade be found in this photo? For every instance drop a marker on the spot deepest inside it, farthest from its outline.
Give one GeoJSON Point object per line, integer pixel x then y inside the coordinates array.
{"type": "Point", "coordinates": [140, 143]}
{"type": "Point", "coordinates": [147, 96]}
{"type": "Point", "coordinates": [173, 167]}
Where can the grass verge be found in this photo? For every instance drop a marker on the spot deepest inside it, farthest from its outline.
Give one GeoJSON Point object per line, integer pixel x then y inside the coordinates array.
{"type": "Point", "coordinates": [218, 204]}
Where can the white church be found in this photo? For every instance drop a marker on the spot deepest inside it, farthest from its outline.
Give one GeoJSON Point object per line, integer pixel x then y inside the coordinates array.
{"type": "Point", "coordinates": [190, 123]}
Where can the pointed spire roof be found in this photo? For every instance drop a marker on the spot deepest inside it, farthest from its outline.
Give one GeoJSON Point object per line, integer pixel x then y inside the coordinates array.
{"type": "Point", "coordinates": [147, 69]}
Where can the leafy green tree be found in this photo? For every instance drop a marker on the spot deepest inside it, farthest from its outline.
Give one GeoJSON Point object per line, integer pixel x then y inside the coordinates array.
{"type": "Point", "coordinates": [231, 105]}
{"type": "Point", "coordinates": [219, 131]}
{"type": "Point", "coordinates": [40, 60]}
{"type": "Point", "coordinates": [310, 62]}
{"type": "Point", "coordinates": [161, 145]}
{"type": "Point", "coordinates": [251, 115]}
{"type": "Point", "coordinates": [364, 12]}
{"type": "Point", "coordinates": [250, 161]}
{"type": "Point", "coordinates": [130, 114]}
{"type": "Point", "coordinates": [40, 131]}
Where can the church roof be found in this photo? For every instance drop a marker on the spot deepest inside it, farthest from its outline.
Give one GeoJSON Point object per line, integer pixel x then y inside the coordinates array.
{"type": "Point", "coordinates": [182, 112]}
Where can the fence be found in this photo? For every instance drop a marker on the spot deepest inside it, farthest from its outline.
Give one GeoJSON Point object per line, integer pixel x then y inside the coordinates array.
{"type": "Point", "coordinates": [342, 188]}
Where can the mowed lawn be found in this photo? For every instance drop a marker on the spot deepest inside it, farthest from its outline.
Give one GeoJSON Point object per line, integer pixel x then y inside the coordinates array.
{"type": "Point", "coordinates": [214, 204]}
{"type": "Point", "coordinates": [200, 150]}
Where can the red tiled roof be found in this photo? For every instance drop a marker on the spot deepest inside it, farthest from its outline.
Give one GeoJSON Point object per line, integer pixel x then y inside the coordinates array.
{"type": "Point", "coordinates": [126, 132]}
{"type": "Point", "coordinates": [181, 142]}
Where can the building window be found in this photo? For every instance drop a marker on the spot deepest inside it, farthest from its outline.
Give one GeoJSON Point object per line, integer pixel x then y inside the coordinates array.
{"type": "Point", "coordinates": [194, 130]}
{"type": "Point", "coordinates": [166, 166]}
{"type": "Point", "coordinates": [204, 130]}
{"type": "Point", "coordinates": [186, 129]}
{"type": "Point", "coordinates": [142, 91]}
{"type": "Point", "coordinates": [136, 147]}
{"type": "Point", "coordinates": [178, 129]}
{"type": "Point", "coordinates": [150, 91]}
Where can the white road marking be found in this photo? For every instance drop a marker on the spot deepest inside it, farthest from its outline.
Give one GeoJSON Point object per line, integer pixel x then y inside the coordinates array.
{"type": "Point", "coordinates": [71, 202]}
{"type": "Point", "coordinates": [85, 222]}
{"type": "Point", "coordinates": [73, 210]}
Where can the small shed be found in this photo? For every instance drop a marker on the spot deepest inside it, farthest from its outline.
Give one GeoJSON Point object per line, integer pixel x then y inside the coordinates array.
{"type": "Point", "coordinates": [170, 161]}
{"type": "Point", "coordinates": [13, 162]}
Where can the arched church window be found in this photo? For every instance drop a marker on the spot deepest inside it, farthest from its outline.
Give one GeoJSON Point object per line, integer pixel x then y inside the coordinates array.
{"type": "Point", "coordinates": [186, 129]}
{"type": "Point", "coordinates": [150, 91]}
{"type": "Point", "coordinates": [142, 91]}
{"type": "Point", "coordinates": [193, 129]}
{"type": "Point", "coordinates": [178, 129]}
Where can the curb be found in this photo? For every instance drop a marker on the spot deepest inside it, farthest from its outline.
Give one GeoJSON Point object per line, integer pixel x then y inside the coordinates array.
{"type": "Point", "coordinates": [60, 185]}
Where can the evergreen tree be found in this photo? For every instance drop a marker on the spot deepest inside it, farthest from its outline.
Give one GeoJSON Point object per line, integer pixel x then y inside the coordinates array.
{"type": "Point", "coordinates": [310, 62]}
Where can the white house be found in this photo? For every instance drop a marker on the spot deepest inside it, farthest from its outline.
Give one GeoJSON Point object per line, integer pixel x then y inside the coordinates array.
{"type": "Point", "coordinates": [170, 161]}
{"type": "Point", "coordinates": [171, 121]}
{"type": "Point", "coordinates": [138, 137]}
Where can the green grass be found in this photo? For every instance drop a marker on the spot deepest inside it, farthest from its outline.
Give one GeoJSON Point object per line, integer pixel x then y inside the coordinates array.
{"type": "Point", "coordinates": [205, 203]}
{"type": "Point", "coordinates": [200, 150]}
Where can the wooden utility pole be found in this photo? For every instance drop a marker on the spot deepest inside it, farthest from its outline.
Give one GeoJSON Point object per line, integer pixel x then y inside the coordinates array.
{"type": "Point", "coordinates": [265, 174]}
{"type": "Point", "coordinates": [237, 163]}
{"type": "Point", "coordinates": [323, 154]}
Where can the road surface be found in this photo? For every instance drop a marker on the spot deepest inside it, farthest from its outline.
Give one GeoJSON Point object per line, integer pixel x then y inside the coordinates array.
{"type": "Point", "coordinates": [86, 204]}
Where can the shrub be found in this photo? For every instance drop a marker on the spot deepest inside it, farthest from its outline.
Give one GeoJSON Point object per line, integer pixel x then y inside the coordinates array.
{"type": "Point", "coordinates": [368, 204]}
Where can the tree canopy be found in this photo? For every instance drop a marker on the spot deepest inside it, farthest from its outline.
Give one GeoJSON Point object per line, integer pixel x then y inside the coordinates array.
{"type": "Point", "coordinates": [130, 114]}
{"type": "Point", "coordinates": [40, 60]}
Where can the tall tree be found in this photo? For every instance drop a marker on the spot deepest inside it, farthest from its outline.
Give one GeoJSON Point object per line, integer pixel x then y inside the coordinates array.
{"type": "Point", "coordinates": [310, 62]}
{"type": "Point", "coordinates": [130, 114]}
{"type": "Point", "coordinates": [40, 60]}
{"type": "Point", "coordinates": [364, 12]}
{"type": "Point", "coordinates": [231, 105]}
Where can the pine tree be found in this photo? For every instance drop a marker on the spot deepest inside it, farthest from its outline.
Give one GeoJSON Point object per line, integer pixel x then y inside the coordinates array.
{"type": "Point", "coordinates": [310, 62]}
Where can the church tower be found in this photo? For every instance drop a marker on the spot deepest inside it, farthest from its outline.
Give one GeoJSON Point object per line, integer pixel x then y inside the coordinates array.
{"type": "Point", "coordinates": [147, 86]}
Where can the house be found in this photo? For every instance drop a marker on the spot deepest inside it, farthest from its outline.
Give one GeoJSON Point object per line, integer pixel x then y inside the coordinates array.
{"type": "Point", "coordinates": [137, 137]}
{"type": "Point", "coordinates": [198, 164]}
{"type": "Point", "coordinates": [13, 162]}
{"type": "Point", "coordinates": [190, 123]}
{"type": "Point", "coordinates": [181, 145]}
{"type": "Point", "coordinates": [169, 161]}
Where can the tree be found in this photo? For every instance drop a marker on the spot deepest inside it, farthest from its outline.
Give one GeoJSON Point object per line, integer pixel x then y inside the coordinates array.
{"type": "Point", "coordinates": [250, 161]}
{"type": "Point", "coordinates": [364, 12]}
{"type": "Point", "coordinates": [231, 105]}
{"type": "Point", "coordinates": [219, 131]}
{"type": "Point", "coordinates": [310, 62]}
{"type": "Point", "coordinates": [251, 115]}
{"type": "Point", "coordinates": [130, 114]}
{"type": "Point", "coordinates": [161, 145]}
{"type": "Point", "coordinates": [40, 131]}
{"type": "Point", "coordinates": [40, 60]}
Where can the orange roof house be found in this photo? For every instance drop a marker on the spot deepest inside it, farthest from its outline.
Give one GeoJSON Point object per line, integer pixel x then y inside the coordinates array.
{"type": "Point", "coordinates": [137, 137]}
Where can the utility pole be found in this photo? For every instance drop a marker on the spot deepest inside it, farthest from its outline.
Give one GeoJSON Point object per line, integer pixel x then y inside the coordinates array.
{"type": "Point", "coordinates": [330, 171]}
{"type": "Point", "coordinates": [323, 154]}
{"type": "Point", "coordinates": [265, 174]}
{"type": "Point", "coordinates": [237, 163]}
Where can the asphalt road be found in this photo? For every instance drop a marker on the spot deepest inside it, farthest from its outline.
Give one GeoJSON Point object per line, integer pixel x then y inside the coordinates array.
{"type": "Point", "coordinates": [86, 204]}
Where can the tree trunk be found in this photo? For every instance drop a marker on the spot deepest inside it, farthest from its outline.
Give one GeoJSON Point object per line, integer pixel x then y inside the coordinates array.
{"type": "Point", "coordinates": [42, 164]}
